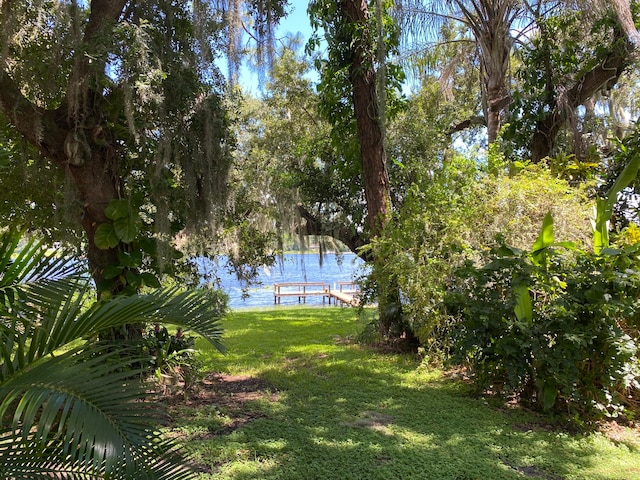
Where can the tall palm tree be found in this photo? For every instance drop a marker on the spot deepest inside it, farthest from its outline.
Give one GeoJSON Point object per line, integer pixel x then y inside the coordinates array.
{"type": "Point", "coordinates": [71, 407]}
{"type": "Point", "coordinates": [490, 22]}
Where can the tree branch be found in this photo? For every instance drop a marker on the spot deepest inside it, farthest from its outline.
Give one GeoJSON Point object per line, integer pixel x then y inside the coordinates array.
{"type": "Point", "coordinates": [34, 123]}
{"type": "Point", "coordinates": [605, 74]}
{"type": "Point", "coordinates": [476, 121]}
{"type": "Point", "coordinates": [314, 226]}
{"type": "Point", "coordinates": [102, 13]}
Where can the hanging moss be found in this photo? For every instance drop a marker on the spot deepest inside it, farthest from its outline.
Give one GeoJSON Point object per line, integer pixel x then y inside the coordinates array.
{"type": "Point", "coordinates": [134, 108]}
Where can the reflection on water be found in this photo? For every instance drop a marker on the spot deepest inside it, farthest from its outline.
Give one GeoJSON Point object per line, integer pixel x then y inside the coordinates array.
{"type": "Point", "coordinates": [296, 267]}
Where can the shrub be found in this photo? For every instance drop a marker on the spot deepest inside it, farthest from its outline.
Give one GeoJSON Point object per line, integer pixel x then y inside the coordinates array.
{"type": "Point", "coordinates": [560, 332]}
{"type": "Point", "coordinates": [172, 357]}
{"type": "Point", "coordinates": [460, 209]}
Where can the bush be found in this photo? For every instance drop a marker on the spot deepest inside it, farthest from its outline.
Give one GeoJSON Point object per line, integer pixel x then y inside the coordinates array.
{"type": "Point", "coordinates": [172, 357]}
{"type": "Point", "coordinates": [462, 209]}
{"type": "Point", "coordinates": [560, 332]}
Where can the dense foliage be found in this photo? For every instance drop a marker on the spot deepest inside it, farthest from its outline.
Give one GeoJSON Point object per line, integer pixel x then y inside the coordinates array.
{"type": "Point", "coordinates": [560, 332]}
{"type": "Point", "coordinates": [470, 211]}
{"type": "Point", "coordinates": [71, 405]}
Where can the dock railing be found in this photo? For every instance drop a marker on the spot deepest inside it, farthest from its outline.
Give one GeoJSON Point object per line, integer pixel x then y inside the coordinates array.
{"type": "Point", "coordinates": [302, 290]}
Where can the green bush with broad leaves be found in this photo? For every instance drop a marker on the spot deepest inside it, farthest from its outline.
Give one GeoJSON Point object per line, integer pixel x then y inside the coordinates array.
{"type": "Point", "coordinates": [555, 326]}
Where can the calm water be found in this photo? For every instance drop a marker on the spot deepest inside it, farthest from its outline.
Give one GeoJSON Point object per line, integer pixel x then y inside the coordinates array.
{"type": "Point", "coordinates": [299, 267]}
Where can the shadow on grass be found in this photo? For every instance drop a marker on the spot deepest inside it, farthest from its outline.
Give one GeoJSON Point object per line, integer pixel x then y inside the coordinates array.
{"type": "Point", "coordinates": [345, 412]}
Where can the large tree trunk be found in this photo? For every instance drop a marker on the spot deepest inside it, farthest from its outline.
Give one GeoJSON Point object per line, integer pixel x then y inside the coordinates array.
{"type": "Point", "coordinates": [374, 160]}
{"type": "Point", "coordinates": [76, 136]}
{"type": "Point", "coordinates": [97, 183]}
{"type": "Point", "coordinates": [367, 111]}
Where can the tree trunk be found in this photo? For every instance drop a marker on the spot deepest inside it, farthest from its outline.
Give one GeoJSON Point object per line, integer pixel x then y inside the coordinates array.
{"type": "Point", "coordinates": [366, 108]}
{"type": "Point", "coordinates": [494, 38]}
{"type": "Point", "coordinates": [76, 136]}
{"type": "Point", "coordinates": [373, 156]}
{"type": "Point", "coordinates": [97, 183]}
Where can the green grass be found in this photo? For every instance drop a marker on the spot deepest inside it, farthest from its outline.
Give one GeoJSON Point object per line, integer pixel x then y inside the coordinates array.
{"type": "Point", "coordinates": [336, 410]}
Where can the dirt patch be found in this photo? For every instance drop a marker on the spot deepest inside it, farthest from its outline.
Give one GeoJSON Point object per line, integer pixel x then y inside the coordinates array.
{"type": "Point", "coordinates": [373, 420]}
{"type": "Point", "coordinates": [627, 435]}
{"type": "Point", "coordinates": [226, 390]}
{"type": "Point", "coordinates": [230, 394]}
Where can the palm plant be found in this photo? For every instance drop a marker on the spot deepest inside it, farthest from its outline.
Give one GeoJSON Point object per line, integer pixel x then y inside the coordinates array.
{"type": "Point", "coordinates": [491, 23]}
{"type": "Point", "coordinates": [70, 406]}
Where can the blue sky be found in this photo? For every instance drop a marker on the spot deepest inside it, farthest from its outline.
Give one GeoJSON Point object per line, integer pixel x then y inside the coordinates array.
{"type": "Point", "coordinates": [296, 22]}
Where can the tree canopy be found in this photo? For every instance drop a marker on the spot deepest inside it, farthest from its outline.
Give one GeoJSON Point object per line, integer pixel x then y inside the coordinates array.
{"type": "Point", "coordinates": [125, 105]}
{"type": "Point", "coordinates": [138, 136]}
{"type": "Point", "coordinates": [460, 147]}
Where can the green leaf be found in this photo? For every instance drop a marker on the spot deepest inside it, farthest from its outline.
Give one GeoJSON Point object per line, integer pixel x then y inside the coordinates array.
{"type": "Point", "coordinates": [132, 278]}
{"type": "Point", "coordinates": [111, 271]}
{"type": "Point", "coordinates": [130, 259]}
{"type": "Point", "coordinates": [507, 251]}
{"type": "Point", "coordinates": [117, 209]}
{"type": "Point", "coordinates": [150, 280]}
{"type": "Point", "coordinates": [149, 246]}
{"type": "Point", "coordinates": [604, 206]}
{"type": "Point", "coordinates": [601, 227]}
{"type": "Point", "coordinates": [127, 228]}
{"type": "Point", "coordinates": [106, 236]}
{"type": "Point", "coordinates": [523, 309]}
{"type": "Point", "coordinates": [567, 245]}
{"type": "Point", "coordinates": [545, 239]}
{"type": "Point", "coordinates": [627, 176]}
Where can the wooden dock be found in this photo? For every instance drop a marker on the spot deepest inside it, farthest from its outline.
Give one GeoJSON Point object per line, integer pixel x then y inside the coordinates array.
{"type": "Point", "coordinates": [344, 293]}
{"type": "Point", "coordinates": [302, 290]}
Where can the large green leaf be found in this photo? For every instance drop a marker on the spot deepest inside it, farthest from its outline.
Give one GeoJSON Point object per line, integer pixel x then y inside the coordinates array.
{"type": "Point", "coordinates": [127, 228]}
{"type": "Point", "coordinates": [117, 209]}
{"type": "Point", "coordinates": [106, 236]}
{"type": "Point", "coordinates": [627, 176]}
{"type": "Point", "coordinates": [523, 308]}
{"type": "Point", "coordinates": [544, 240]}
{"type": "Point", "coordinates": [604, 206]}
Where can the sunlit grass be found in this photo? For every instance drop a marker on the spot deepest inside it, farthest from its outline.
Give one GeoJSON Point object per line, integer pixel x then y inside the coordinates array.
{"type": "Point", "coordinates": [343, 411]}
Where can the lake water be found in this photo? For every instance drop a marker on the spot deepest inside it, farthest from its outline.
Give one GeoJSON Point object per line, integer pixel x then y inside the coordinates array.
{"type": "Point", "coordinates": [297, 267]}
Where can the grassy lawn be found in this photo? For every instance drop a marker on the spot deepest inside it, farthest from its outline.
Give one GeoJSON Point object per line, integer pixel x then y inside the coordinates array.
{"type": "Point", "coordinates": [297, 400]}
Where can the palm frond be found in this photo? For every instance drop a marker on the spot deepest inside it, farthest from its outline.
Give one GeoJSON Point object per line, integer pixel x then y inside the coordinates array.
{"type": "Point", "coordinates": [58, 326]}
{"type": "Point", "coordinates": [85, 411]}
{"type": "Point", "coordinates": [26, 264]}
{"type": "Point", "coordinates": [191, 309]}
{"type": "Point", "coordinates": [23, 462]}
{"type": "Point", "coordinates": [70, 407]}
